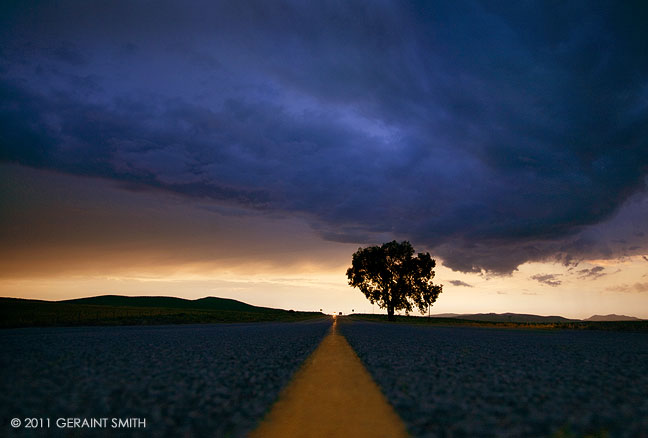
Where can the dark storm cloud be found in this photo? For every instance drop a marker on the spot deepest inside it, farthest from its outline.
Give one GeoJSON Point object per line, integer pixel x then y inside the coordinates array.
{"type": "Point", "coordinates": [460, 283]}
{"type": "Point", "coordinates": [630, 288]}
{"type": "Point", "coordinates": [592, 273]}
{"type": "Point", "coordinates": [548, 279]}
{"type": "Point", "coordinates": [490, 135]}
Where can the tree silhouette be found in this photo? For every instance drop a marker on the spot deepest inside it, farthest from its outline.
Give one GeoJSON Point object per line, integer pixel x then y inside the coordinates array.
{"type": "Point", "coordinates": [393, 277]}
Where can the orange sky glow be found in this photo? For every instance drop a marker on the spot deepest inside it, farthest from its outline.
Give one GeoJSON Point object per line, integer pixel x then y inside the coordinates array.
{"type": "Point", "coordinates": [70, 237]}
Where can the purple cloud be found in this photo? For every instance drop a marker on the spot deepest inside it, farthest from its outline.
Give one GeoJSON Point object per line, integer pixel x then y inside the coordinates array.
{"type": "Point", "coordinates": [548, 279]}
{"type": "Point", "coordinates": [490, 135]}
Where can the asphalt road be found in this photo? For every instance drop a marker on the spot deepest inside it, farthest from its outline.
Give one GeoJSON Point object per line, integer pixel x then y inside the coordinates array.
{"type": "Point", "coordinates": [480, 382]}
{"type": "Point", "coordinates": [201, 380]}
{"type": "Point", "coordinates": [220, 380]}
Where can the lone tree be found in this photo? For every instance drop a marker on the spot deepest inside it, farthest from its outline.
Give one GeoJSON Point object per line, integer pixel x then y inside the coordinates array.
{"type": "Point", "coordinates": [393, 277]}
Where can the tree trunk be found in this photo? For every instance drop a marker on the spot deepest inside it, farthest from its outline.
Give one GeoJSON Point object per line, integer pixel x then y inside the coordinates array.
{"type": "Point", "coordinates": [390, 313]}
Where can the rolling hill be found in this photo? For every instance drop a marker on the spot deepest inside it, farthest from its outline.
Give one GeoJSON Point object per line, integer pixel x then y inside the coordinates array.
{"type": "Point", "coordinates": [207, 303]}
{"type": "Point", "coordinates": [123, 310]}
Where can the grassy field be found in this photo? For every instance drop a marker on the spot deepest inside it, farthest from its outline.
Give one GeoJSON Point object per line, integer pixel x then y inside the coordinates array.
{"type": "Point", "coordinates": [116, 310]}
{"type": "Point", "coordinates": [121, 310]}
{"type": "Point", "coordinates": [633, 326]}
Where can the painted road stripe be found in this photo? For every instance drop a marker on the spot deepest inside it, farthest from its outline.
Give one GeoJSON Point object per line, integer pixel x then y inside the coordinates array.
{"type": "Point", "coordinates": [332, 394]}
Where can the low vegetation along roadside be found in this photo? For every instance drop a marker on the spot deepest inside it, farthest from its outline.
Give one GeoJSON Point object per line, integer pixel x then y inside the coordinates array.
{"type": "Point", "coordinates": [633, 326]}
{"type": "Point", "coordinates": [115, 310]}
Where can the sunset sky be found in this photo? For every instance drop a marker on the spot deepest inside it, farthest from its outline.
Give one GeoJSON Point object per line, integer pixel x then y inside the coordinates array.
{"type": "Point", "coordinates": [245, 149]}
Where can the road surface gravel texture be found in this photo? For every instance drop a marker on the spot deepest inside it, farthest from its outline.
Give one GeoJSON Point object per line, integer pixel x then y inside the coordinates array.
{"type": "Point", "coordinates": [480, 382]}
{"type": "Point", "coordinates": [200, 380]}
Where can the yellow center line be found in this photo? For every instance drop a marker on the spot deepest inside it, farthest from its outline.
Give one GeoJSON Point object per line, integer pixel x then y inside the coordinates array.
{"type": "Point", "coordinates": [332, 393]}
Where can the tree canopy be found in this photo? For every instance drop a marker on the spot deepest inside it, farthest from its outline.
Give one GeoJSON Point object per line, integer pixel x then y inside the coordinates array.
{"type": "Point", "coordinates": [391, 276]}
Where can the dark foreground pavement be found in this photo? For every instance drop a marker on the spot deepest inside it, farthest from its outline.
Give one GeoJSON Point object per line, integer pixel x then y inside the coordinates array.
{"type": "Point", "coordinates": [477, 382]}
{"type": "Point", "coordinates": [205, 380]}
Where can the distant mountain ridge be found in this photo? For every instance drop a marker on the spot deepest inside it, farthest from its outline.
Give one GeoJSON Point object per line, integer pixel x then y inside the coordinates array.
{"type": "Point", "coordinates": [522, 317]}
{"type": "Point", "coordinates": [612, 317]}
{"type": "Point", "coordinates": [207, 303]}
